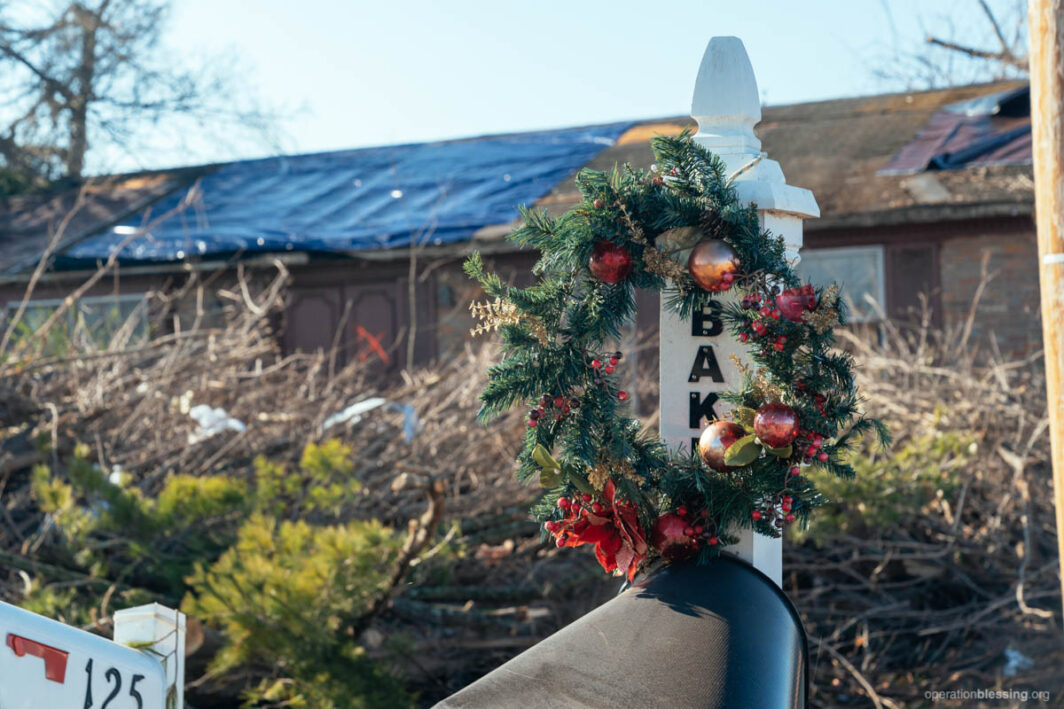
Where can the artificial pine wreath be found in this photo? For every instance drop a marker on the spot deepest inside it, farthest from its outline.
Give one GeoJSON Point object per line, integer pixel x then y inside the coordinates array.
{"type": "Point", "coordinates": [678, 229]}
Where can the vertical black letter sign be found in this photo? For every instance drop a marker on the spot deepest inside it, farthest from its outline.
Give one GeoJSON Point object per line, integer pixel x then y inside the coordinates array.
{"type": "Point", "coordinates": [705, 366]}
{"type": "Point", "coordinates": [698, 409]}
{"type": "Point", "coordinates": [705, 324]}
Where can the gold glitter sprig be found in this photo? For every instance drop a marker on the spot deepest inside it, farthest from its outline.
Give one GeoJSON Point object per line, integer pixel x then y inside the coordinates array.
{"type": "Point", "coordinates": [664, 267]}
{"type": "Point", "coordinates": [493, 314]}
{"type": "Point", "coordinates": [763, 387]}
{"type": "Point", "coordinates": [657, 262]}
{"type": "Point", "coordinates": [538, 329]}
{"type": "Point", "coordinates": [826, 315]}
{"type": "Point", "coordinates": [598, 476]}
{"type": "Point", "coordinates": [601, 473]}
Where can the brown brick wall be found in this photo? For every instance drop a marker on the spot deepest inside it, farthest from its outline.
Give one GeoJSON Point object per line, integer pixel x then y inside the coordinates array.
{"type": "Point", "coordinates": [1007, 310]}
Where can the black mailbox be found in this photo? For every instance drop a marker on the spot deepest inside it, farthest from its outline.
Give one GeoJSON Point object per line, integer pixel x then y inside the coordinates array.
{"type": "Point", "coordinates": [719, 636]}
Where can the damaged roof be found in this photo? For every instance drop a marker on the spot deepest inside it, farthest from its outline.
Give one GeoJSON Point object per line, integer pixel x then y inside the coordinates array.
{"type": "Point", "coordinates": [989, 130]}
{"type": "Point", "coordinates": [925, 156]}
{"type": "Point", "coordinates": [839, 149]}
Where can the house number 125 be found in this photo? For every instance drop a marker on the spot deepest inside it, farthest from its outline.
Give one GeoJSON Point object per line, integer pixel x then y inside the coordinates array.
{"type": "Point", "coordinates": [113, 677]}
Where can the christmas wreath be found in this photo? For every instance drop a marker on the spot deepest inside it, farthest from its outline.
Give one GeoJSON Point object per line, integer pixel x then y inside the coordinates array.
{"type": "Point", "coordinates": [679, 229]}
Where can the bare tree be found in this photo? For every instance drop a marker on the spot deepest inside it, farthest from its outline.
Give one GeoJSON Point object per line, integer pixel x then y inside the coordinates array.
{"type": "Point", "coordinates": [1009, 52]}
{"type": "Point", "coordinates": [77, 75]}
{"type": "Point", "coordinates": [980, 41]}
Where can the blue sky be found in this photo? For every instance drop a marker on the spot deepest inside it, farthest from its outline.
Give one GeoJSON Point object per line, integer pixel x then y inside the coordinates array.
{"type": "Point", "coordinates": [356, 73]}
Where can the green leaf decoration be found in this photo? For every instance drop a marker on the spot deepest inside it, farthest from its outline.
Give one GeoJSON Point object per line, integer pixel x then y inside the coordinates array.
{"type": "Point", "coordinates": [743, 452]}
{"type": "Point", "coordinates": [544, 459]}
{"type": "Point", "coordinates": [578, 481]}
{"type": "Point", "coordinates": [744, 416]}
{"type": "Point", "coordinates": [550, 478]}
{"type": "Point", "coordinates": [784, 452]}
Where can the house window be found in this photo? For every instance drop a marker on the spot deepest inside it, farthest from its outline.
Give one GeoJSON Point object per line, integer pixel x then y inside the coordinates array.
{"type": "Point", "coordinates": [91, 324]}
{"type": "Point", "coordinates": [859, 272]}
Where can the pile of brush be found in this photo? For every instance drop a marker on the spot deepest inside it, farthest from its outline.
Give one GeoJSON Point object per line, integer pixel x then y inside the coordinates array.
{"type": "Point", "coordinates": [935, 570]}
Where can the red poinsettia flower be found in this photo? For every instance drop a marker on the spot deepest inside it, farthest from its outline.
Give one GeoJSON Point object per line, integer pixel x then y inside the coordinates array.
{"type": "Point", "coordinates": [620, 544]}
{"type": "Point", "coordinates": [795, 301]}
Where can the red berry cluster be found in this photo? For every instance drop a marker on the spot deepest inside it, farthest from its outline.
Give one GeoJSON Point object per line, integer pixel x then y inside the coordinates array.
{"type": "Point", "coordinates": [572, 507]}
{"type": "Point", "coordinates": [781, 516]}
{"type": "Point", "coordinates": [812, 442]}
{"type": "Point", "coordinates": [558, 405]}
{"type": "Point", "coordinates": [761, 320]}
{"type": "Point", "coordinates": [611, 365]}
{"type": "Point", "coordinates": [698, 525]}
{"type": "Point", "coordinates": [726, 283]}
{"type": "Point", "coordinates": [819, 400]}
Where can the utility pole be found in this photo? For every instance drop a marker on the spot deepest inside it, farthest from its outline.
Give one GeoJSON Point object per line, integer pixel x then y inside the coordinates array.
{"type": "Point", "coordinates": [1046, 22]}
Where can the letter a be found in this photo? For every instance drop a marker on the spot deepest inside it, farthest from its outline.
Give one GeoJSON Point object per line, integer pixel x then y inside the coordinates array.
{"type": "Point", "coordinates": [705, 366]}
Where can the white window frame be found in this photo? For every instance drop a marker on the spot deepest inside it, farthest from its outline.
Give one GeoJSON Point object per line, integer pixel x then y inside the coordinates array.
{"type": "Point", "coordinates": [89, 300]}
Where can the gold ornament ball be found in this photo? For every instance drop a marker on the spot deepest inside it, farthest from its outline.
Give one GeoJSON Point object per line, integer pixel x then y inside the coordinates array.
{"type": "Point", "coordinates": [709, 261]}
{"type": "Point", "coordinates": [715, 442]}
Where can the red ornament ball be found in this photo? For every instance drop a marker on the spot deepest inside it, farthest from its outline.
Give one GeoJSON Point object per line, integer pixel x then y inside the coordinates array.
{"type": "Point", "coordinates": [609, 262]}
{"type": "Point", "coordinates": [796, 471]}
{"type": "Point", "coordinates": [670, 538]}
{"type": "Point", "coordinates": [715, 441]}
{"type": "Point", "coordinates": [756, 514]}
{"type": "Point", "coordinates": [710, 261]}
{"type": "Point", "coordinates": [622, 395]}
{"type": "Point", "coordinates": [795, 301]}
{"type": "Point", "coordinates": [776, 424]}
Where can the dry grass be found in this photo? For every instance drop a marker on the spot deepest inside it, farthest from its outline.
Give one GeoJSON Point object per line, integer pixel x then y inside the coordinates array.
{"type": "Point", "coordinates": [930, 602]}
{"type": "Point", "coordinates": [933, 601]}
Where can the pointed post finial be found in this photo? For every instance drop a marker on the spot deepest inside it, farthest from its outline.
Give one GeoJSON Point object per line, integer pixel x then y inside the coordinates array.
{"type": "Point", "coordinates": [726, 102]}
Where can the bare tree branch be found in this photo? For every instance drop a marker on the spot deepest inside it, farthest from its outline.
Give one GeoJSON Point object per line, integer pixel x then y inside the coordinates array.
{"type": "Point", "coordinates": [92, 66]}
{"type": "Point", "coordinates": [997, 27]}
{"type": "Point", "coordinates": [1005, 57]}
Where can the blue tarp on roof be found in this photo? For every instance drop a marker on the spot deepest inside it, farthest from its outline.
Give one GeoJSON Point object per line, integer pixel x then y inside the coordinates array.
{"type": "Point", "coordinates": [373, 198]}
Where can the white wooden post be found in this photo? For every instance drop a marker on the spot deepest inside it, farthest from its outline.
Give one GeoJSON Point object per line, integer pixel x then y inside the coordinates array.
{"type": "Point", "coordinates": [726, 107]}
{"type": "Point", "coordinates": [161, 631]}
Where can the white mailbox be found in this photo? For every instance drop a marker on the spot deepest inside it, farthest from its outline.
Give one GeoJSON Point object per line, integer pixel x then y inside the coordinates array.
{"type": "Point", "coordinates": [45, 664]}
